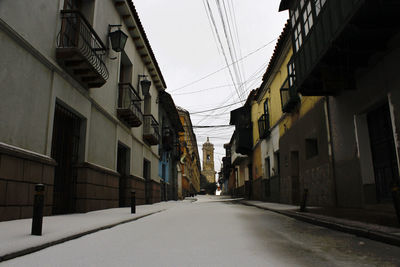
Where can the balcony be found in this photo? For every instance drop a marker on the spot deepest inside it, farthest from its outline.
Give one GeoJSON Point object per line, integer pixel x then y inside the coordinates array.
{"type": "Point", "coordinates": [80, 51]}
{"type": "Point", "coordinates": [340, 37]}
{"type": "Point", "coordinates": [242, 141]}
{"type": "Point", "coordinates": [151, 132]}
{"type": "Point", "coordinates": [263, 126]}
{"type": "Point", "coordinates": [129, 105]}
{"type": "Point", "coordinates": [167, 139]}
{"type": "Point", "coordinates": [289, 97]}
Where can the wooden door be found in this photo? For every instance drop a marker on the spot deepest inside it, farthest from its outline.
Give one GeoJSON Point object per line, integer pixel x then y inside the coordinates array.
{"type": "Point", "coordinates": [294, 169]}
{"type": "Point", "coordinates": [383, 151]}
{"type": "Point", "coordinates": [64, 150]}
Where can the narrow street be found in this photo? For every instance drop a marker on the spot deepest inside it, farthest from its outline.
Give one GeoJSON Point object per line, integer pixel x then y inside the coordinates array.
{"type": "Point", "coordinates": [215, 232]}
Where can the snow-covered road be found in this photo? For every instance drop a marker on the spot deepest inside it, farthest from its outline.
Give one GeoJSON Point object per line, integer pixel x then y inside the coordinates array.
{"type": "Point", "coordinates": [215, 233]}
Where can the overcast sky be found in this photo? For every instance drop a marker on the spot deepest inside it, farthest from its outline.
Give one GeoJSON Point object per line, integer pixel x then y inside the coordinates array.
{"type": "Point", "coordinates": [187, 49]}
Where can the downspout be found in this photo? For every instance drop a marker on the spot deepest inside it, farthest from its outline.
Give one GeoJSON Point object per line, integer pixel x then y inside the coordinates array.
{"type": "Point", "coordinates": [330, 148]}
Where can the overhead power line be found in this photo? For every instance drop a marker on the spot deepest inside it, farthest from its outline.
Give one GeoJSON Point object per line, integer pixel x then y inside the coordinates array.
{"type": "Point", "coordinates": [212, 126]}
{"type": "Point", "coordinates": [197, 112]}
{"type": "Point", "coordinates": [221, 69]}
{"type": "Point", "coordinates": [222, 47]}
{"type": "Point", "coordinates": [216, 87]}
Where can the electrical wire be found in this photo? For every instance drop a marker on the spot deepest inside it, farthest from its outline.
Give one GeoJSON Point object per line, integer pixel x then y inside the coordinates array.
{"type": "Point", "coordinates": [221, 45]}
{"type": "Point", "coordinates": [196, 112]}
{"type": "Point", "coordinates": [221, 69]}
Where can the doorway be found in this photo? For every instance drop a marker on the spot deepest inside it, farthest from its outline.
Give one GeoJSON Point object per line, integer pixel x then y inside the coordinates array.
{"type": "Point", "coordinates": [123, 169]}
{"type": "Point", "coordinates": [65, 150]}
{"type": "Point", "coordinates": [294, 173]}
{"type": "Point", "coordinates": [383, 151]}
{"type": "Point", "coordinates": [146, 176]}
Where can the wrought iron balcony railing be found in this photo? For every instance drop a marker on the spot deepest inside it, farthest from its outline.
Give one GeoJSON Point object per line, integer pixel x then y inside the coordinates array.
{"type": "Point", "coordinates": [129, 109]}
{"type": "Point", "coordinates": [151, 132]}
{"type": "Point", "coordinates": [263, 126]}
{"type": "Point", "coordinates": [80, 50]}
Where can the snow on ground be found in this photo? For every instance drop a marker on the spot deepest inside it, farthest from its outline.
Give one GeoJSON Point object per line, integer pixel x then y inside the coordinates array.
{"type": "Point", "coordinates": [214, 233]}
{"type": "Point", "coordinates": [15, 235]}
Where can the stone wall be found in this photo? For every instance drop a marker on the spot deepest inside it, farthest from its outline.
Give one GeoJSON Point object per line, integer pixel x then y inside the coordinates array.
{"type": "Point", "coordinates": [314, 171]}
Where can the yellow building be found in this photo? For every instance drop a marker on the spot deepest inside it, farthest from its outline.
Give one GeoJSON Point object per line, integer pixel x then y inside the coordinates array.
{"type": "Point", "coordinates": [266, 117]}
{"type": "Point", "coordinates": [189, 169]}
{"type": "Point", "coordinates": [290, 136]}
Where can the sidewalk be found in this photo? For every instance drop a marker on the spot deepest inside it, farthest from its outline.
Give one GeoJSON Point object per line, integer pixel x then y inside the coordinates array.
{"type": "Point", "coordinates": [16, 240]}
{"type": "Point", "coordinates": [347, 223]}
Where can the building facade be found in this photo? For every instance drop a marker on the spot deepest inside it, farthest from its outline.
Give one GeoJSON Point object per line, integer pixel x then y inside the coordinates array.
{"type": "Point", "coordinates": [169, 149]}
{"type": "Point", "coordinates": [357, 78]}
{"type": "Point", "coordinates": [189, 169]}
{"type": "Point", "coordinates": [76, 114]}
{"type": "Point", "coordinates": [240, 146]}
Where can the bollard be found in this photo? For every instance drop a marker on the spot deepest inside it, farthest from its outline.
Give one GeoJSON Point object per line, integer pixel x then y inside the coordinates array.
{"type": "Point", "coordinates": [133, 202]}
{"type": "Point", "coordinates": [304, 201]}
{"type": "Point", "coordinates": [38, 204]}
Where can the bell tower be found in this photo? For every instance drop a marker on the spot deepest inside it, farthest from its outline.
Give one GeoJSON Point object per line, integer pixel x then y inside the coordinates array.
{"type": "Point", "coordinates": [208, 161]}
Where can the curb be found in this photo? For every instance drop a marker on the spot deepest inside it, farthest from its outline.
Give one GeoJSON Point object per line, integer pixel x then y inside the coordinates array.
{"type": "Point", "coordinates": [68, 238]}
{"type": "Point", "coordinates": [350, 229]}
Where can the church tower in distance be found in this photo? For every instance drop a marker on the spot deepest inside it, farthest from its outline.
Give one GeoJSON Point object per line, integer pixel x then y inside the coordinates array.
{"type": "Point", "coordinates": [208, 161]}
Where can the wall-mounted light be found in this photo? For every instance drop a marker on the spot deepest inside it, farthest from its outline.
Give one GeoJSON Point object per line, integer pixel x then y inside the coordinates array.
{"type": "Point", "coordinates": [145, 84]}
{"type": "Point", "coordinates": [118, 38]}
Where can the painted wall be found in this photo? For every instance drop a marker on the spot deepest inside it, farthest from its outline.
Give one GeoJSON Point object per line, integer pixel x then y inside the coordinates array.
{"type": "Point", "coordinates": [32, 91]}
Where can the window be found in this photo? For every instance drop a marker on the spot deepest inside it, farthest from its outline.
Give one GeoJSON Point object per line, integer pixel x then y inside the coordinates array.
{"type": "Point", "coordinates": [318, 6]}
{"type": "Point", "coordinates": [311, 148]}
{"type": "Point", "coordinates": [267, 168]}
{"type": "Point", "coordinates": [276, 168]}
{"type": "Point", "coordinates": [307, 19]}
{"type": "Point", "coordinates": [208, 157]}
{"type": "Point", "coordinates": [298, 39]}
{"type": "Point", "coordinates": [291, 73]}
{"type": "Point", "coordinates": [163, 172]}
{"type": "Point", "coordinates": [266, 107]}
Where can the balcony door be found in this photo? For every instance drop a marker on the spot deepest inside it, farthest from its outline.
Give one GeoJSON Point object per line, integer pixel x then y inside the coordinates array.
{"type": "Point", "coordinates": [123, 160]}
{"type": "Point", "coordinates": [64, 150]}
{"type": "Point", "coordinates": [383, 151]}
{"type": "Point", "coordinates": [146, 176]}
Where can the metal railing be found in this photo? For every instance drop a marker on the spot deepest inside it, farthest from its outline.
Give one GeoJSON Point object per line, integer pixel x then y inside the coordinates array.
{"type": "Point", "coordinates": [151, 126]}
{"type": "Point", "coordinates": [128, 98]}
{"type": "Point", "coordinates": [289, 97]}
{"type": "Point", "coordinates": [76, 32]}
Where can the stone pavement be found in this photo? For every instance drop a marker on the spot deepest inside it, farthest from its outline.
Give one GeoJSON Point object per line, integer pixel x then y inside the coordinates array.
{"type": "Point", "coordinates": [359, 222]}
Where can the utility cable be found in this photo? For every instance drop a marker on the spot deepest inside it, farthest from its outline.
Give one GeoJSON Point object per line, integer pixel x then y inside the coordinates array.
{"type": "Point", "coordinates": [221, 69]}
{"type": "Point", "coordinates": [222, 47]}
{"type": "Point", "coordinates": [197, 112]}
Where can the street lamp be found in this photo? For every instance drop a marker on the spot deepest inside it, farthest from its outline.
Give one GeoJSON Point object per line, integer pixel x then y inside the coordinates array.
{"type": "Point", "coordinates": [118, 38]}
{"type": "Point", "coordinates": [145, 84]}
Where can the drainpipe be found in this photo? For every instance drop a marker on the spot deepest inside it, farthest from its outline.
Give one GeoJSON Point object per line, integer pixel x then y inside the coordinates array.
{"type": "Point", "coordinates": [330, 148]}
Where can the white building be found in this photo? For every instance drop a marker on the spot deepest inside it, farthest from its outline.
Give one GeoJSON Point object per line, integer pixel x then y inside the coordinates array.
{"type": "Point", "coordinates": [73, 115]}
